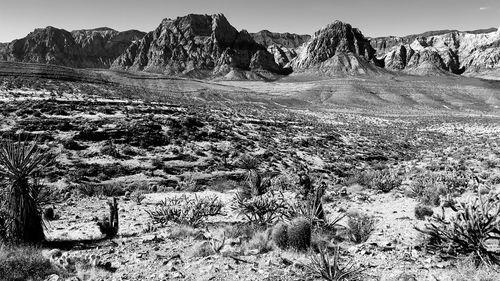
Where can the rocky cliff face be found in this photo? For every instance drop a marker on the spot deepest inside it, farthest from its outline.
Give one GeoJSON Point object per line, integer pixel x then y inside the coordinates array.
{"type": "Point", "coordinates": [283, 46]}
{"type": "Point", "coordinates": [96, 48]}
{"type": "Point", "coordinates": [337, 49]}
{"type": "Point", "coordinates": [287, 40]}
{"type": "Point", "coordinates": [470, 53]}
{"type": "Point", "coordinates": [197, 43]}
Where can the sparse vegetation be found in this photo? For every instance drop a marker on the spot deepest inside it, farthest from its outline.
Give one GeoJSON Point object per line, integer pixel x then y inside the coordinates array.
{"type": "Point", "coordinates": [332, 268]}
{"type": "Point", "coordinates": [261, 210]}
{"type": "Point", "coordinates": [185, 210]}
{"type": "Point", "coordinates": [421, 212]}
{"type": "Point", "coordinates": [277, 158]}
{"type": "Point", "coordinates": [359, 227]}
{"type": "Point", "coordinates": [20, 164]}
{"type": "Point", "coordinates": [24, 263]}
{"type": "Point", "coordinates": [469, 231]}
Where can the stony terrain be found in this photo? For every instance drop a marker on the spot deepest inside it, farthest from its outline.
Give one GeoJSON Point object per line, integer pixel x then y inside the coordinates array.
{"type": "Point", "coordinates": [346, 154]}
{"type": "Point", "coordinates": [143, 150]}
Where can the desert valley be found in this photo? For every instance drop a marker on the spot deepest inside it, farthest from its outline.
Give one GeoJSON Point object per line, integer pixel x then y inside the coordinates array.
{"type": "Point", "coordinates": [198, 151]}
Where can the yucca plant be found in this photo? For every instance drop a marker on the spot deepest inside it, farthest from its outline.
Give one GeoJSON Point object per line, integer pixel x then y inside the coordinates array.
{"type": "Point", "coordinates": [332, 269]}
{"type": "Point", "coordinates": [472, 230]}
{"type": "Point", "coordinates": [20, 164]}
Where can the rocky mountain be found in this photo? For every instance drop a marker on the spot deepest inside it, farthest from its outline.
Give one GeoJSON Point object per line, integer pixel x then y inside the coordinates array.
{"type": "Point", "coordinates": [337, 49]}
{"type": "Point", "coordinates": [283, 46]}
{"type": "Point", "coordinates": [384, 44]}
{"type": "Point", "coordinates": [95, 48]}
{"type": "Point", "coordinates": [475, 53]}
{"type": "Point", "coordinates": [199, 46]}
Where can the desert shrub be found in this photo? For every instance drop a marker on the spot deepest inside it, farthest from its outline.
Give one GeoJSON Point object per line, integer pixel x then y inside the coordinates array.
{"type": "Point", "coordinates": [183, 231]}
{"type": "Point", "coordinates": [359, 227]}
{"type": "Point", "coordinates": [382, 180]}
{"type": "Point", "coordinates": [260, 242]}
{"type": "Point", "coordinates": [157, 163]}
{"type": "Point", "coordinates": [261, 210]}
{"type": "Point", "coordinates": [475, 224]}
{"type": "Point", "coordinates": [188, 183]}
{"type": "Point", "coordinates": [24, 263]}
{"type": "Point", "coordinates": [427, 189]}
{"type": "Point", "coordinates": [422, 211]}
{"type": "Point", "coordinates": [248, 162]}
{"type": "Point", "coordinates": [109, 148]}
{"type": "Point", "coordinates": [138, 196]}
{"type": "Point", "coordinates": [112, 189]}
{"type": "Point", "coordinates": [202, 249]}
{"type": "Point", "coordinates": [332, 268]}
{"type": "Point", "coordinates": [185, 210]}
{"type": "Point", "coordinates": [241, 230]}
{"type": "Point", "coordinates": [467, 270]}
{"type": "Point", "coordinates": [280, 235]}
{"type": "Point", "coordinates": [101, 190]}
{"type": "Point", "coordinates": [299, 234]}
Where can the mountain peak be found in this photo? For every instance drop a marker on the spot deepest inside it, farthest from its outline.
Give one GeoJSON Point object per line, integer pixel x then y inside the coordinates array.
{"type": "Point", "coordinates": [204, 44]}
{"type": "Point", "coordinates": [344, 47]}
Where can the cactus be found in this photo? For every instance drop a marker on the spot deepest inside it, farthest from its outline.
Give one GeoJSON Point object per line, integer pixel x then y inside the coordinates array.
{"type": "Point", "coordinates": [299, 234]}
{"type": "Point", "coordinates": [280, 235]}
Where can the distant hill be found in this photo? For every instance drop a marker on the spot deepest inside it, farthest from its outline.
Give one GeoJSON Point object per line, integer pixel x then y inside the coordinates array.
{"type": "Point", "coordinates": [94, 48]}
{"type": "Point", "coordinates": [209, 47]}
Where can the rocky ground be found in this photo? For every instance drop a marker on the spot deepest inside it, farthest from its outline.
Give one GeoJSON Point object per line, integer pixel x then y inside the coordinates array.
{"type": "Point", "coordinates": [143, 152]}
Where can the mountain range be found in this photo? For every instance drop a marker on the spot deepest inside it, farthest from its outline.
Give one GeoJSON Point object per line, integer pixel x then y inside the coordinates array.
{"type": "Point", "coordinates": [209, 47]}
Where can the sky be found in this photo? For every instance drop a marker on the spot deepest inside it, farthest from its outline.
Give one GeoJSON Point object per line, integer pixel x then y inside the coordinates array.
{"type": "Point", "coordinates": [373, 17]}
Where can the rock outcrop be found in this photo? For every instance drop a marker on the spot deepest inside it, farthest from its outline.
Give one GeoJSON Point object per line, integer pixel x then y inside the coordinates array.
{"type": "Point", "coordinates": [337, 49]}
{"type": "Point", "coordinates": [205, 44]}
{"type": "Point", "coordinates": [442, 52]}
{"type": "Point", "coordinates": [96, 48]}
{"type": "Point", "coordinates": [283, 46]}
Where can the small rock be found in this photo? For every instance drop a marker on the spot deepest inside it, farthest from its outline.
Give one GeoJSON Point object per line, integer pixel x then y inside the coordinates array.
{"type": "Point", "coordinates": [53, 254]}
{"type": "Point", "coordinates": [53, 277]}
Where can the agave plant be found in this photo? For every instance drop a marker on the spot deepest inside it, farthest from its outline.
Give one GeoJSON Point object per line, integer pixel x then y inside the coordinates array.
{"type": "Point", "coordinates": [332, 268]}
{"type": "Point", "coordinates": [20, 164]}
{"type": "Point", "coordinates": [472, 230]}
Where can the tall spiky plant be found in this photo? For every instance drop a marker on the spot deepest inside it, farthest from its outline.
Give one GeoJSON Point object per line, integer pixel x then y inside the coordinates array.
{"type": "Point", "coordinates": [20, 163]}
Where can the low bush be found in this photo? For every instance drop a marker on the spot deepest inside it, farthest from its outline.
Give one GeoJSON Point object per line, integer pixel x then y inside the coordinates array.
{"type": "Point", "coordinates": [260, 242]}
{"type": "Point", "coordinates": [24, 263]}
{"type": "Point", "coordinates": [359, 227]}
{"type": "Point", "coordinates": [382, 180]}
{"type": "Point", "coordinates": [185, 210]}
{"type": "Point", "coordinates": [102, 190]}
{"type": "Point", "coordinates": [261, 210]}
{"type": "Point", "coordinates": [422, 211]}
{"type": "Point", "coordinates": [332, 268]}
{"type": "Point", "coordinates": [470, 231]}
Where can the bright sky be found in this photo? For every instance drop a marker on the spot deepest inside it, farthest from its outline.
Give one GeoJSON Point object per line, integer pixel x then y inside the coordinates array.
{"type": "Point", "coordinates": [373, 17]}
